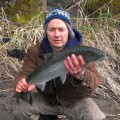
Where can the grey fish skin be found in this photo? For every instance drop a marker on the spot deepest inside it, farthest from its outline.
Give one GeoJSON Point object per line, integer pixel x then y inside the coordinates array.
{"type": "Point", "coordinates": [54, 66]}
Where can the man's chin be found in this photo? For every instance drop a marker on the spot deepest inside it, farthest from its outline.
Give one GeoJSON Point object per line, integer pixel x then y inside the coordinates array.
{"type": "Point", "coordinates": [58, 47]}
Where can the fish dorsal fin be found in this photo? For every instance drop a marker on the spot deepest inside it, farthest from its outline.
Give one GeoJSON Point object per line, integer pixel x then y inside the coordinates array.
{"type": "Point", "coordinates": [48, 56]}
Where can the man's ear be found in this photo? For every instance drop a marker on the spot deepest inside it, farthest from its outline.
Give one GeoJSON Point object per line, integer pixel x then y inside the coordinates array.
{"type": "Point", "coordinates": [71, 33]}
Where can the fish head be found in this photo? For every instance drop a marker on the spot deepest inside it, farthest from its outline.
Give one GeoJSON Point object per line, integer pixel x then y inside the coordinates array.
{"type": "Point", "coordinates": [93, 55]}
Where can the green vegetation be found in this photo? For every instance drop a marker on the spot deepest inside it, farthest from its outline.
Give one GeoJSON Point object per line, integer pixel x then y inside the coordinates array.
{"type": "Point", "coordinates": [104, 6]}
{"type": "Point", "coordinates": [24, 10]}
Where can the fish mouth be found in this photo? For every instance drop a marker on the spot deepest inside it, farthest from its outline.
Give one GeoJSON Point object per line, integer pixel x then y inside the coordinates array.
{"type": "Point", "coordinates": [103, 57]}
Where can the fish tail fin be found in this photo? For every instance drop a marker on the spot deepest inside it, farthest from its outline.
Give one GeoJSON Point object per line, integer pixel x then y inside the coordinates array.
{"type": "Point", "coordinates": [26, 96]}
{"type": "Point", "coordinates": [31, 100]}
{"type": "Point", "coordinates": [17, 100]}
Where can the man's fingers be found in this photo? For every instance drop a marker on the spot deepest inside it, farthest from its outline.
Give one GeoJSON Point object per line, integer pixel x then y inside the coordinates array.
{"type": "Point", "coordinates": [75, 61]}
{"type": "Point", "coordinates": [22, 86]}
{"type": "Point", "coordinates": [18, 90]}
{"type": "Point", "coordinates": [68, 67]}
{"type": "Point", "coordinates": [74, 64]}
{"type": "Point", "coordinates": [24, 82]}
{"type": "Point", "coordinates": [70, 62]}
{"type": "Point", "coordinates": [31, 87]}
{"type": "Point", "coordinates": [81, 61]}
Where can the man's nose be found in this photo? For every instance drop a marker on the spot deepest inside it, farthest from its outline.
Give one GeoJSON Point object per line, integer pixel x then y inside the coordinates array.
{"type": "Point", "coordinates": [57, 33]}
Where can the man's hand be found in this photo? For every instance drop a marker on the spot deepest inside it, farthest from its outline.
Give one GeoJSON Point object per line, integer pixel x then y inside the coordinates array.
{"type": "Point", "coordinates": [22, 86]}
{"type": "Point", "coordinates": [74, 64]}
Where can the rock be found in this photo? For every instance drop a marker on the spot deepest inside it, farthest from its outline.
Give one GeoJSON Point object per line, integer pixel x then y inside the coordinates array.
{"type": "Point", "coordinates": [65, 4]}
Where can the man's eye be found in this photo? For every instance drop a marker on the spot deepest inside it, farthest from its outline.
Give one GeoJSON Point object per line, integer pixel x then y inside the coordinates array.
{"type": "Point", "coordinates": [51, 29]}
{"type": "Point", "coordinates": [61, 30]}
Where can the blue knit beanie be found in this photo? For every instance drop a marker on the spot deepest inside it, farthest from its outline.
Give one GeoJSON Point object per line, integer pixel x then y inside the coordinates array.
{"type": "Point", "coordinates": [58, 13]}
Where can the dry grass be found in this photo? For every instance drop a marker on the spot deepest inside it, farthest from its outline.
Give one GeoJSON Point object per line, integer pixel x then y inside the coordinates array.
{"type": "Point", "coordinates": [101, 35]}
{"type": "Point", "coordinates": [107, 38]}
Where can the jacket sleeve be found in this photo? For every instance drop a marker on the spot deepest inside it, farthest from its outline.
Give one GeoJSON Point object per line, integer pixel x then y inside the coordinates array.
{"type": "Point", "coordinates": [28, 66]}
{"type": "Point", "coordinates": [92, 78]}
{"type": "Point", "coordinates": [70, 94]}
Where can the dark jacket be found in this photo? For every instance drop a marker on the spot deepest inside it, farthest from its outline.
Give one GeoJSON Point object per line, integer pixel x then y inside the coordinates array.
{"type": "Point", "coordinates": [67, 93]}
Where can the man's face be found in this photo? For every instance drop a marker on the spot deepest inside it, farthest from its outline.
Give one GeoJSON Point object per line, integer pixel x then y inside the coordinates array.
{"type": "Point", "coordinates": [57, 33]}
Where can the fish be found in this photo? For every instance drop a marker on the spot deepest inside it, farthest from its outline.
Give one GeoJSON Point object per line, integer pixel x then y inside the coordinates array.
{"type": "Point", "coordinates": [53, 67]}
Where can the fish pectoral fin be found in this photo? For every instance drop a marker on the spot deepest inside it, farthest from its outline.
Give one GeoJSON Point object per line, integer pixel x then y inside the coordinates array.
{"type": "Point", "coordinates": [41, 86]}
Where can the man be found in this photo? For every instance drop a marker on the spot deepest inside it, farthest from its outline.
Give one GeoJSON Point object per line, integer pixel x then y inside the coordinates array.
{"type": "Point", "coordinates": [71, 97]}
